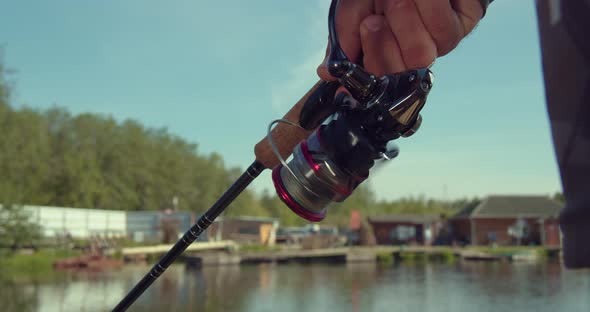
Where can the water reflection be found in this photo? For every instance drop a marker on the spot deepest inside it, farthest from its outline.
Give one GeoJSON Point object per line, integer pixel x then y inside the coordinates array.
{"type": "Point", "coordinates": [319, 287]}
{"type": "Point", "coordinates": [13, 297]}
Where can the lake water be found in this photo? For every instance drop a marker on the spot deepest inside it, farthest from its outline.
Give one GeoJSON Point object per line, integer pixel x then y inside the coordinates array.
{"type": "Point", "coordinates": [458, 287]}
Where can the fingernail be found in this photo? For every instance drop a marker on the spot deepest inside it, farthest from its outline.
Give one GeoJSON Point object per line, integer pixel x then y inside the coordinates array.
{"type": "Point", "coordinates": [374, 24]}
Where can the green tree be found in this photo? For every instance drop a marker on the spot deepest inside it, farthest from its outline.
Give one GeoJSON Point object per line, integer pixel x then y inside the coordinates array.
{"type": "Point", "coordinates": [558, 197]}
{"type": "Point", "coordinates": [25, 147]}
{"type": "Point", "coordinates": [93, 161]}
{"type": "Point", "coordinates": [16, 230]}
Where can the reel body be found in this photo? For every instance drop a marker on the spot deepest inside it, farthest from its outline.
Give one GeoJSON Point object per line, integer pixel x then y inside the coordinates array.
{"type": "Point", "coordinates": [337, 157]}
{"type": "Point", "coordinates": [314, 179]}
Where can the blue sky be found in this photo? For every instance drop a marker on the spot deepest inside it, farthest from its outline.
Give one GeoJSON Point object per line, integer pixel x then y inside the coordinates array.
{"type": "Point", "coordinates": [217, 72]}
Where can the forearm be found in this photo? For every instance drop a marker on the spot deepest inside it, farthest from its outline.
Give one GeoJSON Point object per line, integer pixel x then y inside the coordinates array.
{"type": "Point", "coordinates": [566, 63]}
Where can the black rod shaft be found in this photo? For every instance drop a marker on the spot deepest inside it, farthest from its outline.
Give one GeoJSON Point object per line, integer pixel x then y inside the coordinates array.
{"type": "Point", "coordinates": [189, 237]}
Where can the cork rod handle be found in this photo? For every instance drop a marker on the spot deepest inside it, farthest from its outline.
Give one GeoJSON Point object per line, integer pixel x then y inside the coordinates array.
{"type": "Point", "coordinates": [285, 136]}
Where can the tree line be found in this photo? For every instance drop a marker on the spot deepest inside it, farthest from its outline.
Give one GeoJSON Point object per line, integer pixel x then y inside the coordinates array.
{"type": "Point", "coordinates": [52, 157]}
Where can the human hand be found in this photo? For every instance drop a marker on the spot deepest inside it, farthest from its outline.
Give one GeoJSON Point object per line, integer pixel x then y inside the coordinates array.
{"type": "Point", "coordinates": [393, 36]}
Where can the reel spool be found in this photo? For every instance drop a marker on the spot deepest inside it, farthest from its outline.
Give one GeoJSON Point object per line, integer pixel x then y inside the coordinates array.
{"type": "Point", "coordinates": [311, 180]}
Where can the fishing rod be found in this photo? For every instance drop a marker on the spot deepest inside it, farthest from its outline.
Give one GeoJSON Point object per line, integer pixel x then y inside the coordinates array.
{"type": "Point", "coordinates": [335, 139]}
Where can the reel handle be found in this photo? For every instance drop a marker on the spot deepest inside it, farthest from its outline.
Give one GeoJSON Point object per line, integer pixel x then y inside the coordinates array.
{"type": "Point", "coordinates": [285, 137]}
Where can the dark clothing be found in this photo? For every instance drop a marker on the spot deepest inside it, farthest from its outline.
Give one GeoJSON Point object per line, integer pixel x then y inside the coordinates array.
{"type": "Point", "coordinates": [565, 49]}
{"type": "Point", "coordinates": [565, 44]}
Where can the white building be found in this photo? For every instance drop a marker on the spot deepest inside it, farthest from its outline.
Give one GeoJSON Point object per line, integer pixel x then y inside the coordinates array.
{"type": "Point", "coordinates": [82, 223]}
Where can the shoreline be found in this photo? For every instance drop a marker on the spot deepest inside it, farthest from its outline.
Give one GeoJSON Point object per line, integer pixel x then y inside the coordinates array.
{"type": "Point", "coordinates": [43, 263]}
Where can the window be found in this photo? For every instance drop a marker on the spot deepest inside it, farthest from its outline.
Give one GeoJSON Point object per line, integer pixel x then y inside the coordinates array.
{"type": "Point", "coordinates": [248, 230]}
{"type": "Point", "coordinates": [403, 233]}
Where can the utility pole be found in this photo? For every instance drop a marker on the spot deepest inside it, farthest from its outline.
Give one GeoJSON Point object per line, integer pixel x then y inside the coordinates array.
{"type": "Point", "coordinates": [175, 203]}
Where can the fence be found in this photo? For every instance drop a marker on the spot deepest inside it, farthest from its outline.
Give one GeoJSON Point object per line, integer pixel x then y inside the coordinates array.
{"type": "Point", "coordinates": [80, 223]}
{"type": "Point", "coordinates": [77, 222]}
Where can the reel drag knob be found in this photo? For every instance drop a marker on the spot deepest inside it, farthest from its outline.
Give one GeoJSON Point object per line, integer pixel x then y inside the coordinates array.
{"type": "Point", "coordinates": [415, 127]}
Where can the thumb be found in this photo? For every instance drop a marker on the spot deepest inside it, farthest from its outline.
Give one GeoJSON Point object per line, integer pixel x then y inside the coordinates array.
{"type": "Point", "coordinates": [322, 70]}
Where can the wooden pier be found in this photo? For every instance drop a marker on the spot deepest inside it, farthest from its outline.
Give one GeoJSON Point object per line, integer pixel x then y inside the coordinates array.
{"type": "Point", "coordinates": [310, 254]}
{"type": "Point", "coordinates": [197, 246]}
{"type": "Point", "coordinates": [341, 254]}
{"type": "Point", "coordinates": [228, 253]}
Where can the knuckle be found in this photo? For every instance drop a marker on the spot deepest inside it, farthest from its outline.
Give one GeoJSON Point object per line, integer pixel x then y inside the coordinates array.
{"type": "Point", "coordinates": [469, 24]}
{"type": "Point", "coordinates": [419, 55]}
{"type": "Point", "coordinates": [393, 7]}
{"type": "Point", "coordinates": [446, 46]}
{"type": "Point", "coordinates": [439, 27]}
{"type": "Point", "coordinates": [445, 34]}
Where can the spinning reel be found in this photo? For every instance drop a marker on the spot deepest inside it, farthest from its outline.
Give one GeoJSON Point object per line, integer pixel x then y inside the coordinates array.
{"type": "Point", "coordinates": [351, 131]}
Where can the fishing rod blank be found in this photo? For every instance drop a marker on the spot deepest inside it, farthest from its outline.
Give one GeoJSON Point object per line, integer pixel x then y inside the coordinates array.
{"type": "Point", "coordinates": [285, 138]}
{"type": "Point", "coordinates": [191, 235]}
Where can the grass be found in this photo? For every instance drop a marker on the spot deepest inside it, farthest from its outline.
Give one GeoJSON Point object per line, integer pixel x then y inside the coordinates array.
{"type": "Point", "coordinates": [37, 264]}
{"type": "Point", "coordinates": [447, 256]}
{"type": "Point", "coordinates": [509, 250]}
{"type": "Point", "coordinates": [385, 258]}
{"type": "Point", "coordinates": [543, 254]}
{"type": "Point", "coordinates": [441, 255]}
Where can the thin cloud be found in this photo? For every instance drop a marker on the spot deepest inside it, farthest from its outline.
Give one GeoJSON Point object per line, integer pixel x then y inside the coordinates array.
{"type": "Point", "coordinates": [302, 76]}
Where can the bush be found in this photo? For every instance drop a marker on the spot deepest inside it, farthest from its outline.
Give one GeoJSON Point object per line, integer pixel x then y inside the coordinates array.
{"type": "Point", "coordinates": [412, 256]}
{"type": "Point", "coordinates": [16, 230]}
{"type": "Point", "coordinates": [385, 258]}
{"type": "Point", "coordinates": [258, 248]}
{"type": "Point", "coordinates": [36, 264]}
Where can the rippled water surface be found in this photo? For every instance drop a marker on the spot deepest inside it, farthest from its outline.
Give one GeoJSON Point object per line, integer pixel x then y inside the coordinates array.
{"type": "Point", "coordinates": [459, 287]}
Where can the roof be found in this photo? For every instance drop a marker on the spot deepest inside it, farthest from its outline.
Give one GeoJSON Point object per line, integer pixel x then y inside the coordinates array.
{"type": "Point", "coordinates": [410, 218]}
{"type": "Point", "coordinates": [512, 206]}
{"type": "Point", "coordinates": [467, 210]}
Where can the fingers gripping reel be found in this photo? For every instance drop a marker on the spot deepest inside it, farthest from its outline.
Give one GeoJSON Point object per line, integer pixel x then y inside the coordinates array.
{"type": "Point", "coordinates": [329, 165]}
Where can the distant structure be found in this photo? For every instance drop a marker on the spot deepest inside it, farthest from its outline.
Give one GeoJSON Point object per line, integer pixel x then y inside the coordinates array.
{"type": "Point", "coordinates": [78, 222]}
{"type": "Point", "coordinates": [159, 226]}
{"type": "Point", "coordinates": [509, 220]}
{"type": "Point", "coordinates": [82, 223]}
{"type": "Point", "coordinates": [245, 230]}
{"type": "Point", "coordinates": [366, 235]}
{"type": "Point", "coordinates": [405, 229]}
{"type": "Point", "coordinates": [169, 227]}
